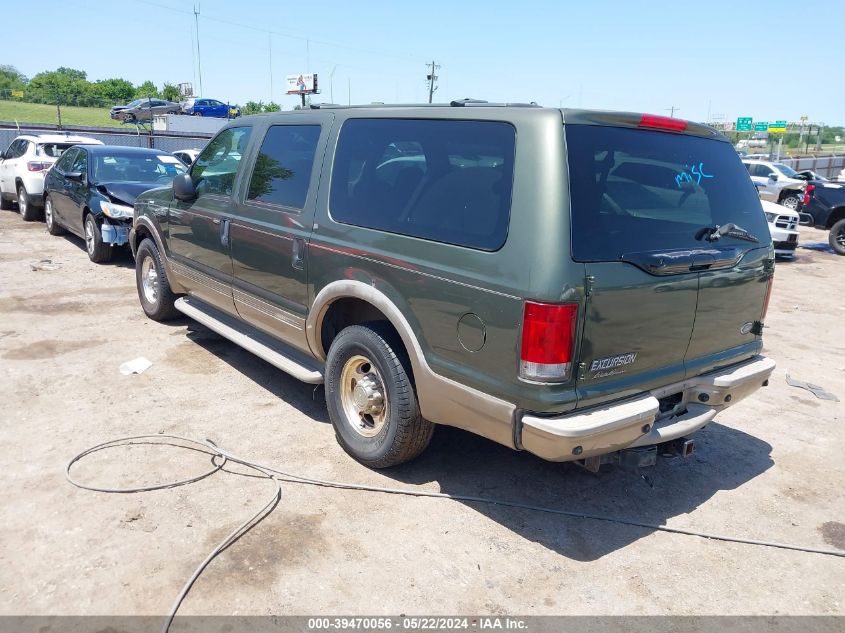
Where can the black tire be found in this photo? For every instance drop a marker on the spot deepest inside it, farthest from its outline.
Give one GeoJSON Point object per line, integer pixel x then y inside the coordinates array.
{"type": "Point", "coordinates": [197, 113]}
{"type": "Point", "coordinates": [5, 205]}
{"type": "Point", "coordinates": [28, 211]}
{"type": "Point", "coordinates": [837, 237]}
{"type": "Point", "coordinates": [159, 306]}
{"type": "Point", "coordinates": [53, 227]}
{"type": "Point", "coordinates": [402, 433]}
{"type": "Point", "coordinates": [791, 201]}
{"type": "Point", "coordinates": [98, 251]}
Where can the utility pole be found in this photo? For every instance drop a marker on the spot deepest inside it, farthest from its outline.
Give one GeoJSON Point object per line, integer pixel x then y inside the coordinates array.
{"type": "Point", "coordinates": [59, 108]}
{"type": "Point", "coordinates": [331, 84]}
{"type": "Point", "coordinates": [672, 111]}
{"type": "Point", "coordinates": [432, 79]}
{"type": "Point", "coordinates": [199, 57]}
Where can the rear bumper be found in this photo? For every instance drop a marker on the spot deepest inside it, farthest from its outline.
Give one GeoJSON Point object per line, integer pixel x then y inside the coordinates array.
{"type": "Point", "coordinates": [636, 422]}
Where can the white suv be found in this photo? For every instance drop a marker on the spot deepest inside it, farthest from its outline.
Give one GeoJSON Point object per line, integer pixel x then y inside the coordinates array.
{"type": "Point", "coordinates": [23, 167]}
{"type": "Point", "coordinates": [783, 226]}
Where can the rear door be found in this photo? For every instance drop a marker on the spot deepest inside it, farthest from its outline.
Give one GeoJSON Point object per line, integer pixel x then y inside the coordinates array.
{"type": "Point", "coordinates": [272, 227]}
{"type": "Point", "coordinates": [664, 295]}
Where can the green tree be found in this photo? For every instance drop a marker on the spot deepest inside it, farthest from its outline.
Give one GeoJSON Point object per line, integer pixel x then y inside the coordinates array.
{"type": "Point", "coordinates": [146, 89]}
{"type": "Point", "coordinates": [115, 90]}
{"type": "Point", "coordinates": [272, 107]}
{"type": "Point", "coordinates": [11, 79]}
{"type": "Point", "coordinates": [68, 85]}
{"type": "Point", "coordinates": [252, 107]}
{"type": "Point", "coordinates": [170, 92]}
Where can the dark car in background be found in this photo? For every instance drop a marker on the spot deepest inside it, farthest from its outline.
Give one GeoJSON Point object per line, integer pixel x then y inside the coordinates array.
{"type": "Point", "coordinates": [824, 203]}
{"type": "Point", "coordinates": [91, 189]}
{"type": "Point", "coordinates": [210, 107]}
{"type": "Point", "coordinates": [143, 110]}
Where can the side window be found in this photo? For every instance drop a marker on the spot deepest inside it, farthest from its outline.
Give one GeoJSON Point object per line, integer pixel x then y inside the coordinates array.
{"type": "Point", "coordinates": [216, 167]}
{"type": "Point", "coordinates": [749, 168]}
{"type": "Point", "coordinates": [63, 164]}
{"type": "Point", "coordinates": [80, 162]}
{"type": "Point", "coordinates": [16, 149]}
{"type": "Point", "coordinates": [445, 181]}
{"type": "Point", "coordinates": [763, 170]}
{"type": "Point", "coordinates": [283, 166]}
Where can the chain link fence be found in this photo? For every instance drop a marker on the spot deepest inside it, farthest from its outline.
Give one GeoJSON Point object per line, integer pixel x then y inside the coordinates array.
{"type": "Point", "coordinates": [166, 141]}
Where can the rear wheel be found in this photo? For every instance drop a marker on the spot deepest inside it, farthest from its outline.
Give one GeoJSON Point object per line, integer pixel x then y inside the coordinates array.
{"type": "Point", "coordinates": [157, 299]}
{"type": "Point", "coordinates": [98, 251]}
{"type": "Point", "coordinates": [197, 113]}
{"type": "Point", "coordinates": [53, 227]}
{"type": "Point", "coordinates": [791, 201]}
{"type": "Point", "coordinates": [28, 211]}
{"type": "Point", "coordinates": [837, 237]}
{"type": "Point", "coordinates": [371, 398]}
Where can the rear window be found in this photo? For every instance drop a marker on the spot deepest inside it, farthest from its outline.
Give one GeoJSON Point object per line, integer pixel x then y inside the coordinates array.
{"type": "Point", "coordinates": [445, 181]}
{"type": "Point", "coordinates": [639, 191]}
{"type": "Point", "coordinates": [53, 150]}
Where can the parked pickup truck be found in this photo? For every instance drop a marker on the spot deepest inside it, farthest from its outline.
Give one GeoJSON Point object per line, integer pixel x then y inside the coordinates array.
{"type": "Point", "coordinates": [825, 203]}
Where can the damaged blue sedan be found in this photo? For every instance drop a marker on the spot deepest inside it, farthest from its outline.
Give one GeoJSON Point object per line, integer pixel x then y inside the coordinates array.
{"type": "Point", "coordinates": [90, 191]}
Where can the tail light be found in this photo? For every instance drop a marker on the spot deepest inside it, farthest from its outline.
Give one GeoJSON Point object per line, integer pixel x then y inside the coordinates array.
{"type": "Point", "coordinates": [37, 165]}
{"type": "Point", "coordinates": [808, 194]}
{"type": "Point", "coordinates": [548, 341]}
{"type": "Point", "coordinates": [663, 123]}
{"type": "Point", "coordinates": [766, 300]}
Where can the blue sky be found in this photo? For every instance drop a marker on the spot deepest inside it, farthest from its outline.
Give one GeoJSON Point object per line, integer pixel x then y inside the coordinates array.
{"type": "Point", "coordinates": [738, 58]}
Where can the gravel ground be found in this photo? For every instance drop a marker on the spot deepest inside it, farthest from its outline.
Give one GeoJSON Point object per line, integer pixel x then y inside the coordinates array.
{"type": "Point", "coordinates": [770, 468]}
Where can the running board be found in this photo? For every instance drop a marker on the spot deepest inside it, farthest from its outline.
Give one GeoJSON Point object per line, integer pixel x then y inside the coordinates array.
{"type": "Point", "coordinates": [274, 352]}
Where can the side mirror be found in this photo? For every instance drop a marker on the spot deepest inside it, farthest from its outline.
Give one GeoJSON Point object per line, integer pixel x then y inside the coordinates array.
{"type": "Point", "coordinates": [773, 177]}
{"type": "Point", "coordinates": [77, 176]}
{"type": "Point", "coordinates": [183, 188]}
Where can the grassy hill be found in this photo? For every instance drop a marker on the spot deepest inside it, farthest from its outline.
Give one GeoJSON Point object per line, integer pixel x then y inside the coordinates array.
{"type": "Point", "coordinates": [41, 113]}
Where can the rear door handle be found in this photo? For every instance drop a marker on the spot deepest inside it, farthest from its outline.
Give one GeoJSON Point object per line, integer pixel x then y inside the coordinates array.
{"type": "Point", "coordinates": [298, 253]}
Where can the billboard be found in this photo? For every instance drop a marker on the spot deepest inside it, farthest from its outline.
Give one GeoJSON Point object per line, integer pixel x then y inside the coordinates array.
{"type": "Point", "coordinates": [302, 84]}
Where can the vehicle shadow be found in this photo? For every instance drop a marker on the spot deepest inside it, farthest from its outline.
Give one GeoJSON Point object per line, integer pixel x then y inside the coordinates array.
{"type": "Point", "coordinates": [121, 256]}
{"type": "Point", "coordinates": [461, 463]}
{"type": "Point", "coordinates": [309, 399]}
{"type": "Point", "coordinates": [464, 464]}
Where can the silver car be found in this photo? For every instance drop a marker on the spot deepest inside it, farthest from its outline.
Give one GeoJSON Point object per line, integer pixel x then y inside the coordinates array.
{"type": "Point", "coordinates": [144, 110]}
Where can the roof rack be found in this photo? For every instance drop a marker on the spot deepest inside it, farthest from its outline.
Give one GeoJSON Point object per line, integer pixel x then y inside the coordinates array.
{"type": "Point", "coordinates": [457, 103]}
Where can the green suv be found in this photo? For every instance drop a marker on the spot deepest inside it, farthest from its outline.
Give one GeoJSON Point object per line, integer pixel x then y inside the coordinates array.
{"type": "Point", "coordinates": [567, 282]}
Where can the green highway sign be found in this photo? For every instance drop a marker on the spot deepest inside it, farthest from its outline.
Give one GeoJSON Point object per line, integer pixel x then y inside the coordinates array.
{"type": "Point", "coordinates": [777, 126]}
{"type": "Point", "coordinates": [761, 126]}
{"type": "Point", "coordinates": [743, 124]}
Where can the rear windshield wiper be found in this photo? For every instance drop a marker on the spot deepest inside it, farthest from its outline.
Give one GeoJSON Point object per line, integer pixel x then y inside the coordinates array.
{"type": "Point", "coordinates": [714, 233]}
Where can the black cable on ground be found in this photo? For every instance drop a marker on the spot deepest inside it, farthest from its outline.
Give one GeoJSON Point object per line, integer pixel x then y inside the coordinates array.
{"type": "Point", "coordinates": [219, 457]}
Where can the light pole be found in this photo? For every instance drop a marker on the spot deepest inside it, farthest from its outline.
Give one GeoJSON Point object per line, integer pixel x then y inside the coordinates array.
{"type": "Point", "coordinates": [331, 84]}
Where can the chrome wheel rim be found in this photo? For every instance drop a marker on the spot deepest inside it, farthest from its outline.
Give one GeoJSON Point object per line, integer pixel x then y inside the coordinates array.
{"type": "Point", "coordinates": [48, 213]}
{"type": "Point", "coordinates": [22, 202]}
{"type": "Point", "coordinates": [89, 236]}
{"type": "Point", "coordinates": [840, 238]}
{"type": "Point", "coordinates": [149, 280]}
{"type": "Point", "coordinates": [363, 397]}
{"type": "Point", "coordinates": [790, 203]}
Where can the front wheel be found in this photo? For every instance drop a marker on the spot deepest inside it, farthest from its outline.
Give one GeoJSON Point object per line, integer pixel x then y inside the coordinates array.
{"type": "Point", "coordinates": [98, 251]}
{"type": "Point", "coordinates": [157, 299]}
{"type": "Point", "coordinates": [791, 201]}
{"type": "Point", "coordinates": [197, 113]}
{"type": "Point", "coordinates": [53, 227]}
{"type": "Point", "coordinates": [371, 398]}
{"type": "Point", "coordinates": [837, 237]}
